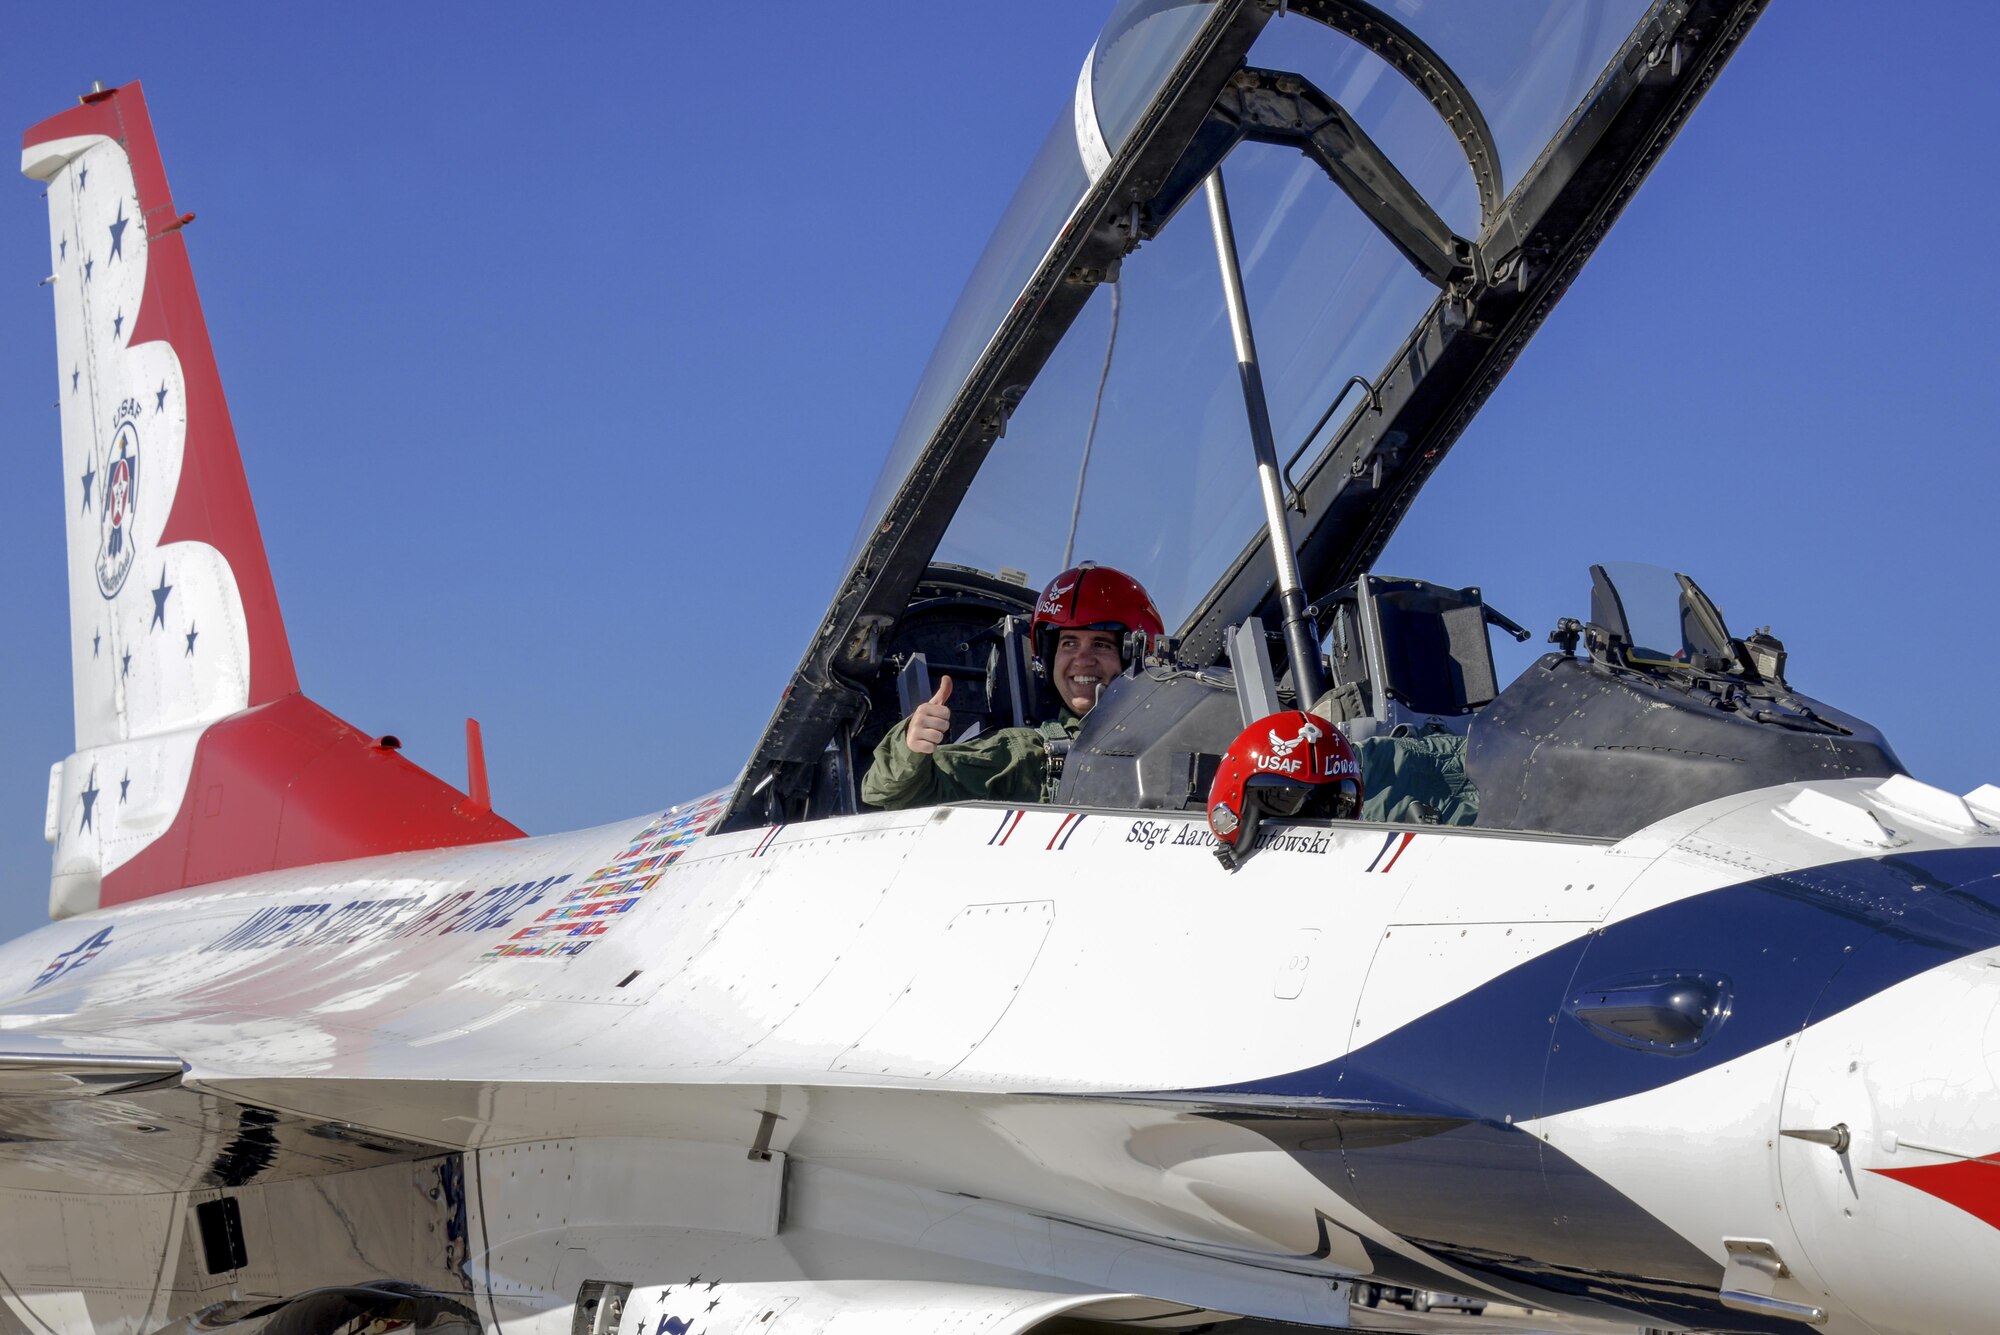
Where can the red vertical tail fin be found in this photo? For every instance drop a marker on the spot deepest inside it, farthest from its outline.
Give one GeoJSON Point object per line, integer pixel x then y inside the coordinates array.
{"type": "Point", "coordinates": [174, 619]}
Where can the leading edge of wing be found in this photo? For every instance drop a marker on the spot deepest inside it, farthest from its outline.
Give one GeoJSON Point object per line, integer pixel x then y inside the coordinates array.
{"type": "Point", "coordinates": [34, 1066]}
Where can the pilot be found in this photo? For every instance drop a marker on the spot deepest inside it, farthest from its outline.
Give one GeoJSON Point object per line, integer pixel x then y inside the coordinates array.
{"type": "Point", "coordinates": [1078, 631]}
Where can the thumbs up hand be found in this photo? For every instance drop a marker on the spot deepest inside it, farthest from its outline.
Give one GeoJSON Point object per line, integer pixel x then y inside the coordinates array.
{"type": "Point", "coordinates": [930, 721]}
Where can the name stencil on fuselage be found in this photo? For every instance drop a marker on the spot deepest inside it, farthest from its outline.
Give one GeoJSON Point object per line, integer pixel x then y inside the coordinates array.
{"type": "Point", "coordinates": [586, 911]}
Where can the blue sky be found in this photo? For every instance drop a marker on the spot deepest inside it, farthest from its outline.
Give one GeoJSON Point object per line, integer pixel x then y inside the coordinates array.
{"type": "Point", "coordinates": [563, 354]}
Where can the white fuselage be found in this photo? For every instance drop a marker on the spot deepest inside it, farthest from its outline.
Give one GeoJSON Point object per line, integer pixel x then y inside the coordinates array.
{"type": "Point", "coordinates": [1019, 1006]}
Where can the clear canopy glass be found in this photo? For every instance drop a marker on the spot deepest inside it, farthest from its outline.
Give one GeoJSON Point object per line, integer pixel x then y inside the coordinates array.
{"type": "Point", "coordinates": [1139, 46]}
{"type": "Point", "coordinates": [1527, 63]}
{"type": "Point", "coordinates": [1170, 494]}
{"type": "Point", "coordinates": [1667, 618]}
{"type": "Point", "coordinates": [1168, 491]}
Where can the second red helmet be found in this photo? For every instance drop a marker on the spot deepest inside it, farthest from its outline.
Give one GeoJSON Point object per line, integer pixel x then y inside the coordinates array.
{"type": "Point", "coordinates": [1093, 597]}
{"type": "Point", "coordinates": [1288, 765]}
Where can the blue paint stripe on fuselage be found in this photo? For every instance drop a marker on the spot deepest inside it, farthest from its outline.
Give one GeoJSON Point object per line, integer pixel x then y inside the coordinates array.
{"type": "Point", "coordinates": [1792, 946]}
{"type": "Point", "coordinates": [1417, 1128]}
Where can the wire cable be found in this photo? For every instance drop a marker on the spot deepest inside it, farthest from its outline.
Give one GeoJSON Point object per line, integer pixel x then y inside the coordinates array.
{"type": "Point", "coordinates": [1090, 436]}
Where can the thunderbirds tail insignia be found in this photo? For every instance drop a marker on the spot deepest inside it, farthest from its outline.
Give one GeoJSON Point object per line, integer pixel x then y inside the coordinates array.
{"type": "Point", "coordinates": [182, 671]}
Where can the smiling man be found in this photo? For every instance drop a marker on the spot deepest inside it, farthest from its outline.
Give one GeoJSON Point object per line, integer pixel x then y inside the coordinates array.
{"type": "Point", "coordinates": [1079, 631]}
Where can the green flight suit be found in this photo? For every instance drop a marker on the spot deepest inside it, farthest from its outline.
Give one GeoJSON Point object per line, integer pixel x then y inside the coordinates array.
{"type": "Point", "coordinates": [1427, 767]}
{"type": "Point", "coordinates": [1006, 765]}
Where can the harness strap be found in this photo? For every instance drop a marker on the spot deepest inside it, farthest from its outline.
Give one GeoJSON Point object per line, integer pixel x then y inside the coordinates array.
{"type": "Point", "coordinates": [1056, 742]}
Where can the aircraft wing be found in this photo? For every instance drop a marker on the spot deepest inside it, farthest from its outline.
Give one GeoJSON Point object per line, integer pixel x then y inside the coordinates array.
{"type": "Point", "coordinates": [98, 1116]}
{"type": "Point", "coordinates": [230, 1183]}
{"type": "Point", "coordinates": [50, 1070]}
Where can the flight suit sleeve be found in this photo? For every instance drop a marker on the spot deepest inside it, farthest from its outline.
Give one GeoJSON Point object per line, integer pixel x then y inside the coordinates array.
{"type": "Point", "coordinates": [1397, 773]}
{"type": "Point", "coordinates": [1007, 765]}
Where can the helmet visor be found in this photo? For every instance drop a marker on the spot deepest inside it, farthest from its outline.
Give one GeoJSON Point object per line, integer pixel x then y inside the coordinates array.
{"type": "Point", "coordinates": [1288, 799]}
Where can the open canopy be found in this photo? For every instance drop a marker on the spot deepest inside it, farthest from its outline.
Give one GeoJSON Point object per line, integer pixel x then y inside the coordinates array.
{"type": "Point", "coordinates": [1413, 185]}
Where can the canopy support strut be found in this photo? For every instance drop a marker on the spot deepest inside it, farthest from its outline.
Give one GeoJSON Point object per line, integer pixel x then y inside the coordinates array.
{"type": "Point", "coordinates": [1301, 646]}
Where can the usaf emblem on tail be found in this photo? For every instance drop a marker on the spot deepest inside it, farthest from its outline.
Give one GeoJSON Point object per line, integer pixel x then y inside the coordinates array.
{"type": "Point", "coordinates": [115, 546]}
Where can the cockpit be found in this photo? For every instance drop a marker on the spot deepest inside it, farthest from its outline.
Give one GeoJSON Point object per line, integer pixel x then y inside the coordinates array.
{"type": "Point", "coordinates": [1253, 288]}
{"type": "Point", "coordinates": [1650, 706]}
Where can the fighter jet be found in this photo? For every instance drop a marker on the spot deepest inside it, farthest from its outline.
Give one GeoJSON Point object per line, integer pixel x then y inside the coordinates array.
{"type": "Point", "coordinates": [1679, 1018]}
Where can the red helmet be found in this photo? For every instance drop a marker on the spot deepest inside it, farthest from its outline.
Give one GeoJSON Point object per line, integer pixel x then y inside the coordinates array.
{"type": "Point", "coordinates": [1093, 597]}
{"type": "Point", "coordinates": [1290, 764]}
